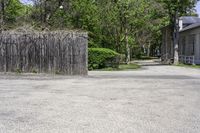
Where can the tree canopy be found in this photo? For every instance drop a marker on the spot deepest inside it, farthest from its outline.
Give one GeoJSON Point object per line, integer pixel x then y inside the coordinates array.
{"type": "Point", "coordinates": [130, 27]}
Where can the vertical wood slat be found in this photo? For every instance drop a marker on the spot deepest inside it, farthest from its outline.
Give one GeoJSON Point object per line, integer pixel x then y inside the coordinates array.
{"type": "Point", "coordinates": [53, 52]}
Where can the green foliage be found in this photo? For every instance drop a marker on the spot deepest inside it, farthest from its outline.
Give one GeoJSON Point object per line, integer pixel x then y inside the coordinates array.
{"type": "Point", "coordinates": [34, 71]}
{"type": "Point", "coordinates": [102, 57]}
{"type": "Point", "coordinates": [113, 24]}
{"type": "Point", "coordinates": [13, 12]}
{"type": "Point", "coordinates": [147, 58]}
{"type": "Point", "coordinates": [58, 72]}
{"type": "Point", "coordinates": [128, 67]}
{"type": "Point", "coordinates": [189, 66]}
{"type": "Point", "coordinates": [92, 44]}
{"type": "Point", "coordinates": [18, 71]}
{"type": "Point", "coordinates": [122, 58]}
{"type": "Point", "coordinates": [182, 7]}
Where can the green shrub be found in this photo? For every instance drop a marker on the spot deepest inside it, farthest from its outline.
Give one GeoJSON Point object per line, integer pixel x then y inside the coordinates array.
{"type": "Point", "coordinates": [122, 58]}
{"type": "Point", "coordinates": [18, 70]}
{"type": "Point", "coordinates": [92, 44]}
{"type": "Point", "coordinates": [101, 58]}
{"type": "Point", "coordinates": [34, 71]}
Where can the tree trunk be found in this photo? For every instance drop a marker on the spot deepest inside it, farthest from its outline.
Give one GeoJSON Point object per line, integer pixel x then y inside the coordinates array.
{"type": "Point", "coordinates": [176, 39]}
{"type": "Point", "coordinates": [176, 55]}
{"type": "Point", "coordinates": [117, 41]}
{"type": "Point", "coordinates": [2, 14]}
{"type": "Point", "coordinates": [148, 49]}
{"type": "Point", "coordinates": [128, 57]}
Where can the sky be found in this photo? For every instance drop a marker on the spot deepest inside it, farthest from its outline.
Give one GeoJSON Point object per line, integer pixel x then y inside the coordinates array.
{"type": "Point", "coordinates": [197, 7]}
{"type": "Point", "coordinates": [26, 1]}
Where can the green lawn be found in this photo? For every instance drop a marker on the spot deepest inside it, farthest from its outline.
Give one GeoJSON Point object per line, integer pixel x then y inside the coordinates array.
{"type": "Point", "coordinates": [146, 58]}
{"type": "Point", "coordinates": [122, 67]}
{"type": "Point", "coordinates": [190, 66]}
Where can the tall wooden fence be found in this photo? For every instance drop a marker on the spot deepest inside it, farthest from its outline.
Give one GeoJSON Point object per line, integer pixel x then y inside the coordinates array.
{"type": "Point", "coordinates": [49, 52]}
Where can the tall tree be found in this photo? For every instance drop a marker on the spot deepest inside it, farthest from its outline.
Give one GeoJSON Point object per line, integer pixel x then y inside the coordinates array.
{"type": "Point", "coordinates": [175, 9]}
{"type": "Point", "coordinates": [2, 9]}
{"type": "Point", "coordinates": [126, 26]}
{"type": "Point", "coordinates": [11, 12]}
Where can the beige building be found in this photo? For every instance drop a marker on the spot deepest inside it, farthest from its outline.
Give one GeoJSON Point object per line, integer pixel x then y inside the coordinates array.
{"type": "Point", "coordinates": [189, 41]}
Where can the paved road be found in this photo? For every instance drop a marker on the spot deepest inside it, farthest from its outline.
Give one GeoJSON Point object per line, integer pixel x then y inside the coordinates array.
{"type": "Point", "coordinates": [155, 99]}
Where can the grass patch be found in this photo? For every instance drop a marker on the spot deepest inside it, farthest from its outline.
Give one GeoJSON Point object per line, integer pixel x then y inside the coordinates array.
{"type": "Point", "coordinates": [18, 71]}
{"type": "Point", "coordinates": [189, 66]}
{"type": "Point", "coordinates": [122, 67]}
{"type": "Point", "coordinates": [146, 58]}
{"type": "Point", "coordinates": [129, 66]}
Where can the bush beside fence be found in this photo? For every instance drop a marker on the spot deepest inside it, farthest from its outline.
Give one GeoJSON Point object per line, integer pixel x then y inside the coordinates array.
{"type": "Point", "coordinates": [102, 57]}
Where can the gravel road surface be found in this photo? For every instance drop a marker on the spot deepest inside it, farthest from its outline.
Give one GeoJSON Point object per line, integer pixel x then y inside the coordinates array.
{"type": "Point", "coordinates": [155, 99]}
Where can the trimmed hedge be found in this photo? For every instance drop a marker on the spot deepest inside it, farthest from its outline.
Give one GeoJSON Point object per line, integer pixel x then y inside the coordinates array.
{"type": "Point", "coordinates": [102, 57]}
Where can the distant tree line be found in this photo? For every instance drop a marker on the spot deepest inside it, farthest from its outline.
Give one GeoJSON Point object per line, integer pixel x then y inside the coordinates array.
{"type": "Point", "coordinates": [129, 27]}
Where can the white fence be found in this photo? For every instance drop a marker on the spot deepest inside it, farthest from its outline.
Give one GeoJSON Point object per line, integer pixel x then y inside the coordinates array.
{"type": "Point", "coordinates": [187, 59]}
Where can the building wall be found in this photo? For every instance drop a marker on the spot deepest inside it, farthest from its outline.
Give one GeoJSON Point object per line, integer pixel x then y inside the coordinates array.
{"type": "Point", "coordinates": [189, 44]}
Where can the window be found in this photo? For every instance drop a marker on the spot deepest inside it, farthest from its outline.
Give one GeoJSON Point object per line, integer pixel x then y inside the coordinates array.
{"type": "Point", "coordinates": [192, 41]}
{"type": "Point", "coordinates": [183, 46]}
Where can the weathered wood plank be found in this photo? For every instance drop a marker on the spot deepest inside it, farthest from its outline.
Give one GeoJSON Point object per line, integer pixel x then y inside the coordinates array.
{"type": "Point", "coordinates": [52, 52]}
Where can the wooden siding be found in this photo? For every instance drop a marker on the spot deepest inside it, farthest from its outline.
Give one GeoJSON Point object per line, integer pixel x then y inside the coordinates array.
{"type": "Point", "coordinates": [44, 52]}
{"type": "Point", "coordinates": [192, 44]}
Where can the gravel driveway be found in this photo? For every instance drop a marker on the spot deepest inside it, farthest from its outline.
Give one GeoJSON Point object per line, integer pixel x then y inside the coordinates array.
{"type": "Point", "coordinates": [155, 99]}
